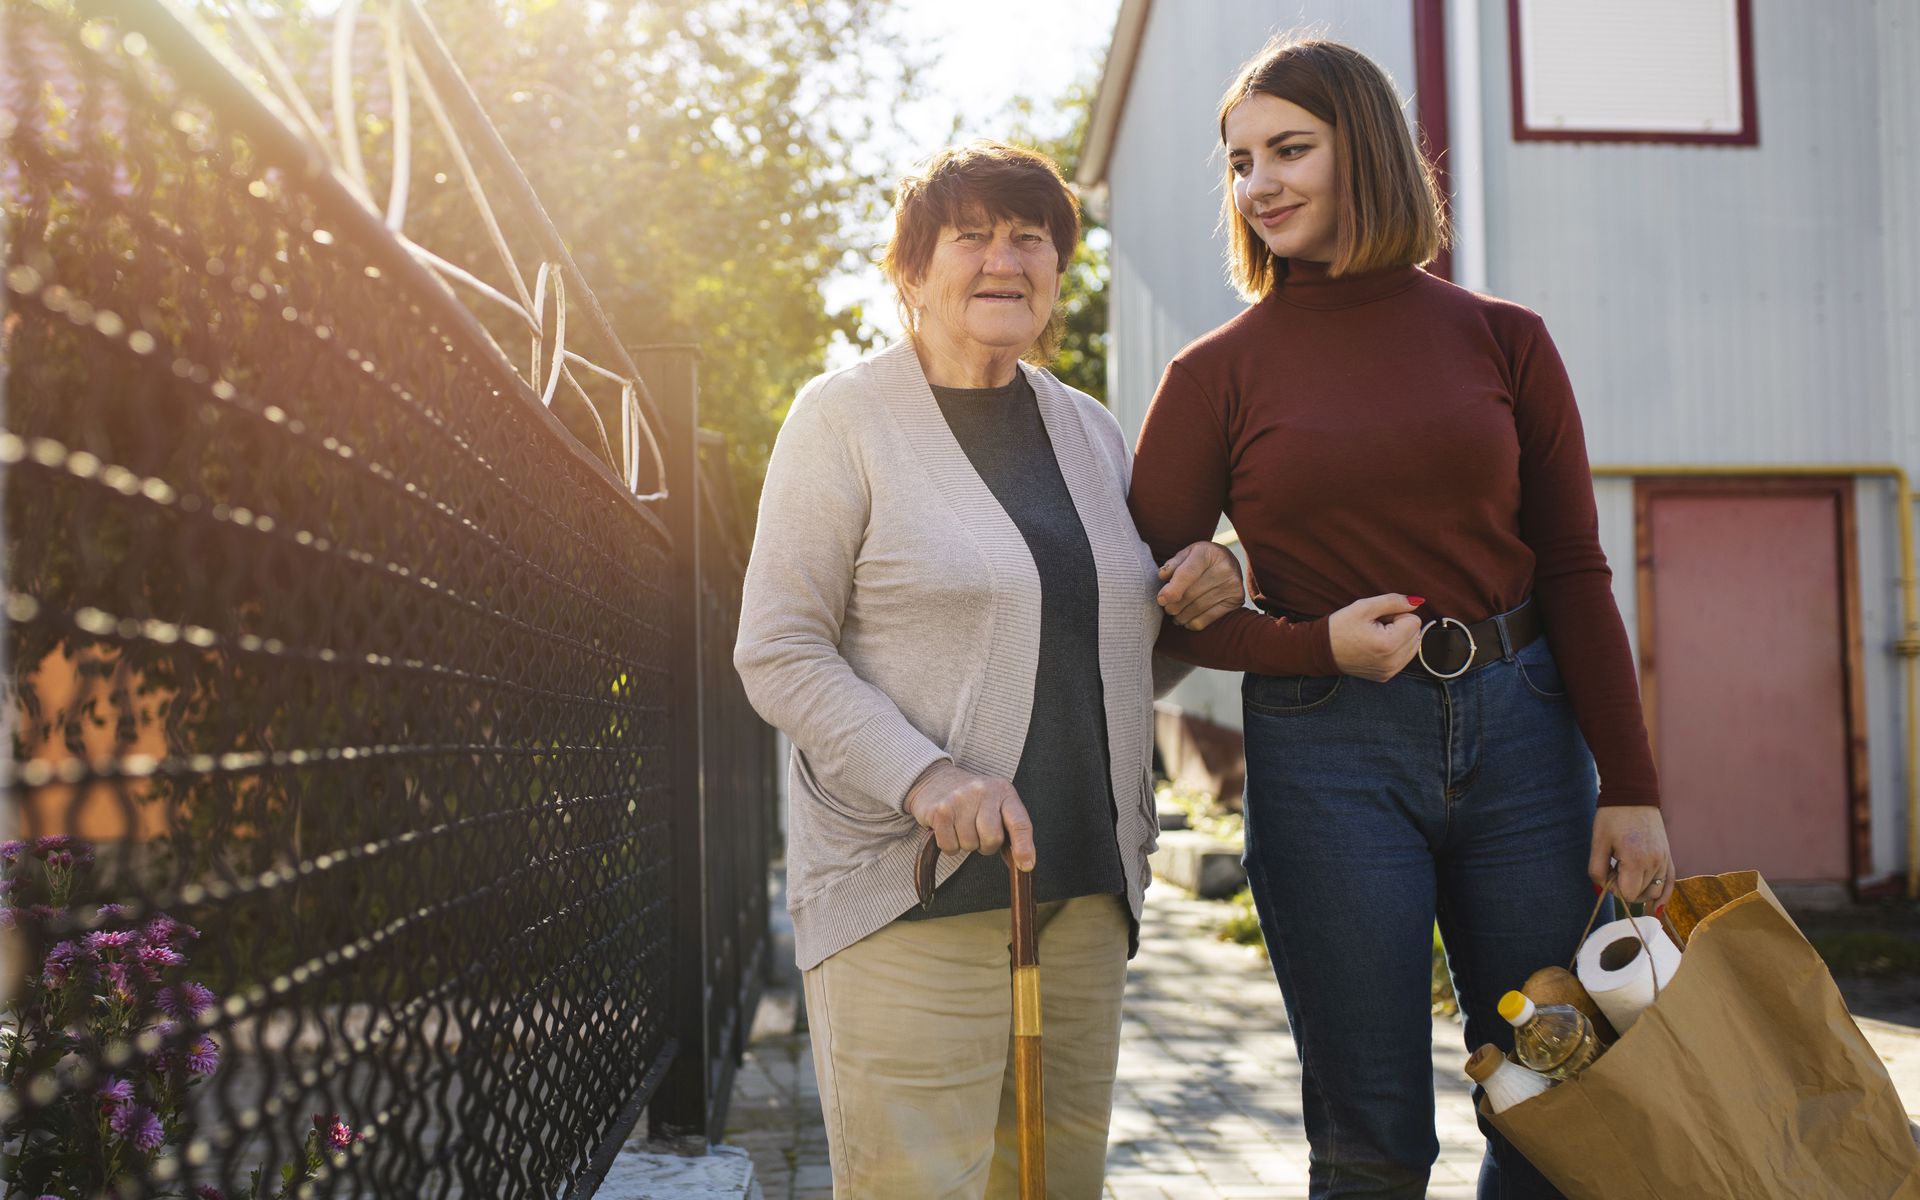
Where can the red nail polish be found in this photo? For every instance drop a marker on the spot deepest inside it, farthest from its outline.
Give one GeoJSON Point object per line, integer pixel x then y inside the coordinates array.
{"type": "Point", "coordinates": [1661, 911]}
{"type": "Point", "coordinates": [1597, 889]}
{"type": "Point", "coordinates": [1416, 601]}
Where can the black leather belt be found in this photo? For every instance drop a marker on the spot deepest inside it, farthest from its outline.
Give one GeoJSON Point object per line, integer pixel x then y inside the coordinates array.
{"type": "Point", "coordinates": [1450, 648]}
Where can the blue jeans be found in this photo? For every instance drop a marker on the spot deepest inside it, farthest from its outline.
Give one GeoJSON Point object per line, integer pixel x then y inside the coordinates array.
{"type": "Point", "coordinates": [1372, 810]}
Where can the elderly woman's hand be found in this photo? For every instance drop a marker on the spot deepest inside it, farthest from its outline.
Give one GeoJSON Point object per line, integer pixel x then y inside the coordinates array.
{"type": "Point", "coordinates": [1202, 585]}
{"type": "Point", "coordinates": [972, 812]}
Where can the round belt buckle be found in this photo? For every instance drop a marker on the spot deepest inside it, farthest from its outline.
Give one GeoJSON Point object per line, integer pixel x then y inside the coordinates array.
{"type": "Point", "coordinates": [1421, 651]}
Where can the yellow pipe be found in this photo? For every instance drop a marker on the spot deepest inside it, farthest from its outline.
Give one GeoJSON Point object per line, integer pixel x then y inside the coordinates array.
{"type": "Point", "coordinates": [1907, 647]}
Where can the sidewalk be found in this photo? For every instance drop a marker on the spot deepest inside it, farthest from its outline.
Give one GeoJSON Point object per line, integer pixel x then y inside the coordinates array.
{"type": "Point", "coordinates": [1207, 1104]}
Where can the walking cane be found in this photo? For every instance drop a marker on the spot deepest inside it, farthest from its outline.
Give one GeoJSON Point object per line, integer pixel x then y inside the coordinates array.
{"type": "Point", "coordinates": [1030, 1112]}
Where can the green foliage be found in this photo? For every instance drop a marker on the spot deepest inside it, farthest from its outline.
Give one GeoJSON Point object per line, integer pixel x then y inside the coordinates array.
{"type": "Point", "coordinates": [1082, 360]}
{"type": "Point", "coordinates": [1242, 924]}
{"type": "Point", "coordinates": [1868, 952]}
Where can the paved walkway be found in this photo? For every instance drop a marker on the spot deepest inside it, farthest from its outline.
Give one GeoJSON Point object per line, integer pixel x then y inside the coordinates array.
{"type": "Point", "coordinates": [1207, 1101]}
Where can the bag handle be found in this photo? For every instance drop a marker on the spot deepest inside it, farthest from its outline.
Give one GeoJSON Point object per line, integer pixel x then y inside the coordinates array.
{"type": "Point", "coordinates": [1609, 890]}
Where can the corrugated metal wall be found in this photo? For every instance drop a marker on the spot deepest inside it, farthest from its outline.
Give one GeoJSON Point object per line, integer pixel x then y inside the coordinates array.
{"type": "Point", "coordinates": [1744, 305]}
{"type": "Point", "coordinates": [1714, 304]}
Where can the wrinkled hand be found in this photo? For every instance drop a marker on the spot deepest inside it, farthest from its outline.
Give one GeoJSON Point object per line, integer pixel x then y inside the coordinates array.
{"type": "Point", "coordinates": [1376, 637]}
{"type": "Point", "coordinates": [972, 812]}
{"type": "Point", "coordinates": [1634, 836]}
{"type": "Point", "coordinates": [1202, 585]}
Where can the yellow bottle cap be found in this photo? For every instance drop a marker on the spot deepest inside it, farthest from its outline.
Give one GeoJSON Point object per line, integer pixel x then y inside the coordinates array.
{"type": "Point", "coordinates": [1515, 1008]}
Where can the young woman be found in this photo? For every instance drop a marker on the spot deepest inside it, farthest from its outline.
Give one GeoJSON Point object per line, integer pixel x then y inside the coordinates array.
{"type": "Point", "coordinates": [1372, 431]}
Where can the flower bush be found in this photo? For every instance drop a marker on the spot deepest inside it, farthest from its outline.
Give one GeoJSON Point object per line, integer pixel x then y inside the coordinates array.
{"type": "Point", "coordinates": [108, 991]}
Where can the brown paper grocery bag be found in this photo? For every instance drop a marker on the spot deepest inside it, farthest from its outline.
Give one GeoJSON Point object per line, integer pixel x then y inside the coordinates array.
{"type": "Point", "coordinates": [1746, 1080]}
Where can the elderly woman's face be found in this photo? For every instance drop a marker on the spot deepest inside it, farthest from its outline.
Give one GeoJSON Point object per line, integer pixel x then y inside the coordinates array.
{"type": "Point", "coordinates": [991, 282]}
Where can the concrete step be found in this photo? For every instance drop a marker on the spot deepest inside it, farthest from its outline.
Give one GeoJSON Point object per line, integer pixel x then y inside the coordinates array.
{"type": "Point", "coordinates": [1205, 866]}
{"type": "Point", "coordinates": [722, 1173]}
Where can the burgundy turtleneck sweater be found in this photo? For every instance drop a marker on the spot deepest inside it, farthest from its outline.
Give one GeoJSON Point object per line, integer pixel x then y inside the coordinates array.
{"type": "Point", "coordinates": [1390, 432]}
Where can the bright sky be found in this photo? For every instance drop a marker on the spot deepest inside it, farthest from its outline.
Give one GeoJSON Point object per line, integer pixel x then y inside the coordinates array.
{"type": "Point", "coordinates": [983, 55]}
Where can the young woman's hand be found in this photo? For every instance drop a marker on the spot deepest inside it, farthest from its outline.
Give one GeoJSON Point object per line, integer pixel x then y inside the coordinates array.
{"type": "Point", "coordinates": [1630, 843]}
{"type": "Point", "coordinates": [972, 812]}
{"type": "Point", "coordinates": [1376, 637]}
{"type": "Point", "coordinates": [1202, 585]}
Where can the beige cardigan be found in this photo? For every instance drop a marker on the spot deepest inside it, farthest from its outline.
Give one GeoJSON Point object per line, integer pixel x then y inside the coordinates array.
{"type": "Point", "coordinates": [891, 619]}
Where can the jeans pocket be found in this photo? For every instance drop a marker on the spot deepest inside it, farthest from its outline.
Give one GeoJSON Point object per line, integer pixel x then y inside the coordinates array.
{"type": "Point", "coordinates": [1540, 672]}
{"type": "Point", "coordinates": [1288, 695]}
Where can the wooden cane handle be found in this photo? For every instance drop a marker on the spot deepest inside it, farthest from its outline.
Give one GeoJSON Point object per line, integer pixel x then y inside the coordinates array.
{"type": "Point", "coordinates": [923, 870]}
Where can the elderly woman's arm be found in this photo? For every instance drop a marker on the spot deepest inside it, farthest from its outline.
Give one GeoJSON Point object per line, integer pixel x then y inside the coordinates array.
{"type": "Point", "coordinates": [813, 516]}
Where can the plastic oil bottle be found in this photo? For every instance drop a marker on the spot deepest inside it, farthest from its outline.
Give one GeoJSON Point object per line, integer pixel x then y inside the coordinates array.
{"type": "Point", "coordinates": [1556, 1040]}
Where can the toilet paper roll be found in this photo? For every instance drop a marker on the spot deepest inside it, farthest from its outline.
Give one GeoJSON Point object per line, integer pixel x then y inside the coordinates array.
{"type": "Point", "coordinates": [1619, 973]}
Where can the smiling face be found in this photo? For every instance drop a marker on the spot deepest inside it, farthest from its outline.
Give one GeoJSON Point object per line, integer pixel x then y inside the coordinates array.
{"type": "Point", "coordinates": [989, 288]}
{"type": "Point", "coordinates": [1282, 162]}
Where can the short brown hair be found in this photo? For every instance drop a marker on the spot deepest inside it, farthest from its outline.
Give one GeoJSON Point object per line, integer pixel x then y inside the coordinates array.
{"type": "Point", "coordinates": [981, 178]}
{"type": "Point", "coordinates": [1388, 211]}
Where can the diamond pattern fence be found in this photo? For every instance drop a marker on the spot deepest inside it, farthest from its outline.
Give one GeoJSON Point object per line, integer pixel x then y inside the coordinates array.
{"type": "Point", "coordinates": [355, 755]}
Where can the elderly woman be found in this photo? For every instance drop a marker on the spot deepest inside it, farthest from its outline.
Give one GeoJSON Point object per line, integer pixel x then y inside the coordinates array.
{"type": "Point", "coordinates": [949, 612]}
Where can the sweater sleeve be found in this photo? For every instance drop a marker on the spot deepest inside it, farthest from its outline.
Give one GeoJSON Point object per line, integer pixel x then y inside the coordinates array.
{"type": "Point", "coordinates": [1182, 472]}
{"type": "Point", "coordinates": [813, 517]}
{"type": "Point", "coordinates": [1572, 582]}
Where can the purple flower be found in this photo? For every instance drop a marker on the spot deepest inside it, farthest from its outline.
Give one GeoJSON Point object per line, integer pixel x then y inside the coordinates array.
{"type": "Point", "coordinates": [203, 1057]}
{"type": "Point", "coordinates": [101, 940]}
{"type": "Point", "coordinates": [116, 1091]}
{"type": "Point", "coordinates": [207, 1191]}
{"type": "Point", "coordinates": [8, 918]}
{"type": "Point", "coordinates": [62, 962]}
{"type": "Point", "coordinates": [74, 849]}
{"type": "Point", "coordinates": [136, 1124]}
{"type": "Point", "coordinates": [154, 959]}
{"type": "Point", "coordinates": [113, 911]}
{"type": "Point", "coordinates": [184, 1002]}
{"type": "Point", "coordinates": [7, 886]}
{"type": "Point", "coordinates": [59, 860]}
{"type": "Point", "coordinates": [163, 930]}
{"type": "Point", "coordinates": [10, 851]}
{"type": "Point", "coordinates": [44, 912]}
{"type": "Point", "coordinates": [334, 1132]}
{"type": "Point", "coordinates": [120, 978]}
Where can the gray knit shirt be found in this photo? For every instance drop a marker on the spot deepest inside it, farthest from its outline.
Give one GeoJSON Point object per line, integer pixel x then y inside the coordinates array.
{"type": "Point", "coordinates": [1063, 774]}
{"type": "Point", "coordinates": [891, 620]}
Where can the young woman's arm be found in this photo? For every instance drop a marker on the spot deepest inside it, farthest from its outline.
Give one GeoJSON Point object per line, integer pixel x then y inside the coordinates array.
{"type": "Point", "coordinates": [1181, 472]}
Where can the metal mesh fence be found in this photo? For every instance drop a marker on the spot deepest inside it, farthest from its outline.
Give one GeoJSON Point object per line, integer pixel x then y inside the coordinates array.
{"type": "Point", "coordinates": [337, 692]}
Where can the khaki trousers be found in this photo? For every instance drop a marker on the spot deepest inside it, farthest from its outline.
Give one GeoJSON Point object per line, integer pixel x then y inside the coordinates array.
{"type": "Point", "coordinates": [912, 1033]}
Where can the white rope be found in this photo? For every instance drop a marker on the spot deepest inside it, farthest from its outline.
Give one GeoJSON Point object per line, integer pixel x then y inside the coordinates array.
{"type": "Point", "coordinates": [344, 124]}
{"type": "Point", "coordinates": [606, 447]}
{"type": "Point", "coordinates": [402, 120]}
{"type": "Point", "coordinates": [277, 72]}
{"type": "Point", "coordinates": [403, 64]}
{"type": "Point", "coordinates": [559, 333]}
{"type": "Point", "coordinates": [467, 173]}
{"type": "Point", "coordinates": [462, 276]}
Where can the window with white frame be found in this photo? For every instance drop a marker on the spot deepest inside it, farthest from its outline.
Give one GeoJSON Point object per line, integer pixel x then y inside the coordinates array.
{"type": "Point", "coordinates": [1633, 70]}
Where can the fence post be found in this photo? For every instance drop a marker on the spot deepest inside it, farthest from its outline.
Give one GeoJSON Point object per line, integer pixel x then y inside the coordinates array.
{"type": "Point", "coordinates": [683, 1107]}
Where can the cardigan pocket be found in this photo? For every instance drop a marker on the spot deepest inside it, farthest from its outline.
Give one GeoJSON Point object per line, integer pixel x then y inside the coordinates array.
{"type": "Point", "coordinates": [873, 815]}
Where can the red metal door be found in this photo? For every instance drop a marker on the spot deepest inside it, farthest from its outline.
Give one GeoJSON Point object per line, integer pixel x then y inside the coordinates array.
{"type": "Point", "coordinates": [1745, 660]}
